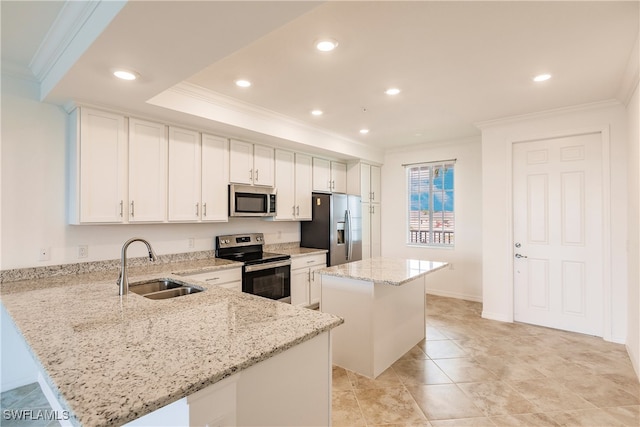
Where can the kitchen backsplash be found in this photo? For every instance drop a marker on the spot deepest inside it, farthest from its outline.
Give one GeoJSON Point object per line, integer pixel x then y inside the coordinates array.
{"type": "Point", "coordinates": [114, 264]}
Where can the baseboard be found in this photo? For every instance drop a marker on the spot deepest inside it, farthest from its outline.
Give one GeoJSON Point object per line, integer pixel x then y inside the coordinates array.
{"type": "Point", "coordinates": [496, 316]}
{"type": "Point", "coordinates": [455, 295]}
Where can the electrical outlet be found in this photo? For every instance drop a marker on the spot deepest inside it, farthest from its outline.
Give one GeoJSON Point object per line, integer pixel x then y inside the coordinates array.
{"type": "Point", "coordinates": [192, 242]}
{"type": "Point", "coordinates": [44, 254]}
{"type": "Point", "coordinates": [83, 251]}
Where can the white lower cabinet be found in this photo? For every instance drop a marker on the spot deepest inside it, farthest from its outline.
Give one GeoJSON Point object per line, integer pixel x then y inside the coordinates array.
{"type": "Point", "coordinates": [305, 283]}
{"type": "Point", "coordinates": [229, 278]}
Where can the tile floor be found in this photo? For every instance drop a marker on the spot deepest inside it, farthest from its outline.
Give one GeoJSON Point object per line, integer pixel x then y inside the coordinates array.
{"type": "Point", "coordinates": [476, 372]}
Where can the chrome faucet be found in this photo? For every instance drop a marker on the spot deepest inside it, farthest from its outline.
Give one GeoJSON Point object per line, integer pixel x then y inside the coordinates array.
{"type": "Point", "coordinates": [123, 280]}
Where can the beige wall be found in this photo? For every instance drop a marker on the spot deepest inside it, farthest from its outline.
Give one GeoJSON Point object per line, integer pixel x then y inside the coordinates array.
{"type": "Point", "coordinates": [464, 278]}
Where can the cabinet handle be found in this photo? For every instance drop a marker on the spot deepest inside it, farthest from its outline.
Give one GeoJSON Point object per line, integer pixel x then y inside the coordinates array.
{"type": "Point", "coordinates": [133, 212]}
{"type": "Point", "coordinates": [293, 210]}
{"type": "Point", "coordinates": [250, 174]}
{"type": "Point", "coordinates": [298, 210]}
{"type": "Point", "coordinates": [373, 195]}
{"type": "Point", "coordinates": [373, 209]}
{"type": "Point", "coordinates": [257, 179]}
{"type": "Point", "coordinates": [204, 209]}
{"type": "Point", "coordinates": [309, 262]}
{"type": "Point", "coordinates": [121, 207]}
{"type": "Point", "coordinates": [197, 209]}
{"type": "Point", "coordinates": [211, 279]}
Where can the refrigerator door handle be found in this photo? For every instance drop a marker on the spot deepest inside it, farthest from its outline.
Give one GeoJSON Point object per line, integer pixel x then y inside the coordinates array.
{"type": "Point", "coordinates": [349, 236]}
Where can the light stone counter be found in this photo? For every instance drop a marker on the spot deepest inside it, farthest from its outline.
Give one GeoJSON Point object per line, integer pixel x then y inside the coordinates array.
{"type": "Point", "coordinates": [382, 302]}
{"type": "Point", "coordinates": [389, 271]}
{"type": "Point", "coordinates": [299, 251]}
{"type": "Point", "coordinates": [112, 359]}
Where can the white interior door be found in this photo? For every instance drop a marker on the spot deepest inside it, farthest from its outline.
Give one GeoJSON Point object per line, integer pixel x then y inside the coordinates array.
{"type": "Point", "coordinates": [558, 233]}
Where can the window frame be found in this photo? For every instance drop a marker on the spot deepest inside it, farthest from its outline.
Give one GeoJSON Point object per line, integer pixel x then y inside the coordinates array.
{"type": "Point", "coordinates": [447, 230]}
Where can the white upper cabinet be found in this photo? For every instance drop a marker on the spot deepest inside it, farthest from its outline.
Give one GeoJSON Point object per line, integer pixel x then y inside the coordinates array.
{"type": "Point", "coordinates": [293, 184]}
{"type": "Point", "coordinates": [263, 165]}
{"type": "Point", "coordinates": [215, 178]}
{"type": "Point", "coordinates": [328, 176]}
{"type": "Point", "coordinates": [197, 176]}
{"type": "Point", "coordinates": [148, 146]}
{"type": "Point", "coordinates": [364, 181]}
{"type": "Point", "coordinates": [285, 185]}
{"type": "Point", "coordinates": [98, 167]}
{"type": "Point", "coordinates": [184, 175]}
{"type": "Point", "coordinates": [303, 180]}
{"type": "Point", "coordinates": [251, 164]}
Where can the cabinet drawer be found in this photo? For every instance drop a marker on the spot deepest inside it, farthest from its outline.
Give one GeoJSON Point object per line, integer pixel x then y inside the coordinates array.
{"type": "Point", "coordinates": [308, 261]}
{"type": "Point", "coordinates": [217, 277]}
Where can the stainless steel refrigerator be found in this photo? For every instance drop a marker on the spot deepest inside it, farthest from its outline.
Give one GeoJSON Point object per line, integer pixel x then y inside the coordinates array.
{"type": "Point", "coordinates": [336, 225]}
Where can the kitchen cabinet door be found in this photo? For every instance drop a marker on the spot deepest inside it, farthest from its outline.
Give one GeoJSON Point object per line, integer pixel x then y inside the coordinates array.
{"type": "Point", "coordinates": [339, 177]}
{"type": "Point", "coordinates": [215, 179]}
{"type": "Point", "coordinates": [375, 184]}
{"type": "Point", "coordinates": [99, 167]}
{"type": "Point", "coordinates": [241, 162]}
{"type": "Point", "coordinates": [366, 230]}
{"type": "Point", "coordinates": [184, 175]}
{"type": "Point", "coordinates": [285, 184]}
{"type": "Point", "coordinates": [314, 285]}
{"type": "Point", "coordinates": [263, 165]}
{"type": "Point", "coordinates": [321, 175]}
{"type": "Point", "coordinates": [303, 186]}
{"type": "Point", "coordinates": [300, 287]}
{"type": "Point", "coordinates": [376, 245]}
{"type": "Point", "coordinates": [148, 146]}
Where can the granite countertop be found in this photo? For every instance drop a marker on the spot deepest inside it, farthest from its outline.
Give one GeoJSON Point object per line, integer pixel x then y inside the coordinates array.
{"type": "Point", "coordinates": [389, 271]}
{"type": "Point", "coordinates": [298, 251]}
{"type": "Point", "coordinates": [112, 359]}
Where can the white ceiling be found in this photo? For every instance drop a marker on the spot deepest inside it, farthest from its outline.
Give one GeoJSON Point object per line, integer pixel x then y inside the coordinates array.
{"type": "Point", "coordinates": [457, 63]}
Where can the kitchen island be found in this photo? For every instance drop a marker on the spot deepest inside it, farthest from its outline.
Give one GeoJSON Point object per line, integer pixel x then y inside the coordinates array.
{"type": "Point", "coordinates": [230, 357]}
{"type": "Point", "coordinates": [382, 301]}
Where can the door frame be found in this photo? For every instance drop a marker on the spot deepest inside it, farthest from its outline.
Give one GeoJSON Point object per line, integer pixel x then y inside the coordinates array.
{"type": "Point", "coordinates": [606, 214]}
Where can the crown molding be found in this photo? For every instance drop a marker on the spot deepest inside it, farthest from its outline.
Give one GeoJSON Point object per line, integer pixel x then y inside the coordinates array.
{"type": "Point", "coordinates": [631, 76]}
{"type": "Point", "coordinates": [64, 29]}
{"type": "Point", "coordinates": [547, 113]}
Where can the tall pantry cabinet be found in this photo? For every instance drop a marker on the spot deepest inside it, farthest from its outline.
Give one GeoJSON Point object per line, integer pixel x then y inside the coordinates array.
{"type": "Point", "coordinates": [364, 180]}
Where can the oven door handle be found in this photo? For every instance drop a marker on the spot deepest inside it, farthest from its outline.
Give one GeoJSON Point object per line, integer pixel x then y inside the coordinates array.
{"type": "Point", "coordinates": [266, 266]}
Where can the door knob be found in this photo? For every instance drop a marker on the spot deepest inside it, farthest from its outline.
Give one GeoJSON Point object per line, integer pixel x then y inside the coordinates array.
{"type": "Point", "coordinates": [520, 256]}
{"type": "Point", "coordinates": [518, 245]}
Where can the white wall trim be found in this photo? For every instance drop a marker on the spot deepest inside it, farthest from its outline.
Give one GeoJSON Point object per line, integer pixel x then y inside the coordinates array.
{"type": "Point", "coordinates": [456, 295]}
{"type": "Point", "coordinates": [547, 113]}
{"type": "Point", "coordinates": [198, 101]}
{"type": "Point", "coordinates": [496, 316]}
{"type": "Point", "coordinates": [631, 76]}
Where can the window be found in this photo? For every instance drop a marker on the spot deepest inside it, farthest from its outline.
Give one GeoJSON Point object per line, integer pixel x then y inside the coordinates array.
{"type": "Point", "coordinates": [431, 212]}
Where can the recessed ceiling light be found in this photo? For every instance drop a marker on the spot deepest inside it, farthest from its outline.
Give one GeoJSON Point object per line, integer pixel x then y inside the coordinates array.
{"type": "Point", "coordinates": [125, 75]}
{"type": "Point", "coordinates": [392, 91]}
{"type": "Point", "coordinates": [316, 112]}
{"type": "Point", "coordinates": [326, 45]}
{"type": "Point", "coordinates": [541, 77]}
{"type": "Point", "coordinates": [364, 131]}
{"type": "Point", "coordinates": [243, 83]}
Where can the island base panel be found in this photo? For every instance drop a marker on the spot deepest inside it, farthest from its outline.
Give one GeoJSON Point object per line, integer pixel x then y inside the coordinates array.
{"type": "Point", "coordinates": [382, 322]}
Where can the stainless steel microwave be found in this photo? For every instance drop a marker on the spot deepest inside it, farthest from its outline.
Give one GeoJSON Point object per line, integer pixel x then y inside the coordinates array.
{"type": "Point", "coordinates": [245, 200]}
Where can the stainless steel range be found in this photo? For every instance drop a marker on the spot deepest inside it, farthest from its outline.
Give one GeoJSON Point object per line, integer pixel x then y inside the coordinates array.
{"type": "Point", "coordinates": [265, 274]}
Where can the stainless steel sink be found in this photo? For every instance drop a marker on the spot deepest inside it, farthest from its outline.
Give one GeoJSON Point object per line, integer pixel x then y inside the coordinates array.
{"type": "Point", "coordinates": [163, 289]}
